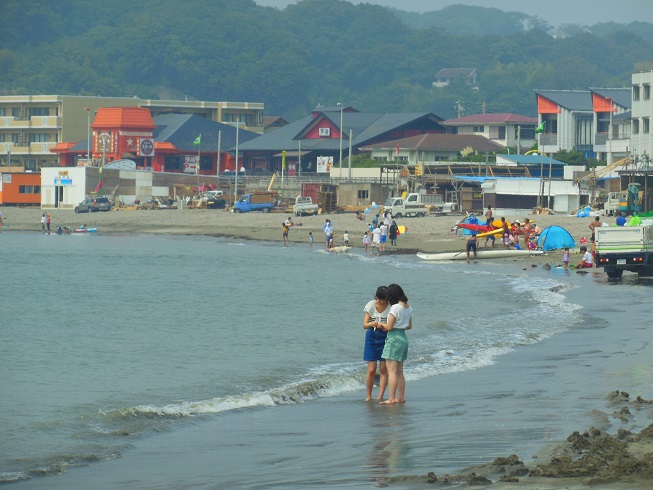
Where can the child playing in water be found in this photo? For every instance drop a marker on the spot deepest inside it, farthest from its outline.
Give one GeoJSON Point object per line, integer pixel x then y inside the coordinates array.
{"type": "Point", "coordinates": [565, 258]}
{"type": "Point", "coordinates": [366, 241]}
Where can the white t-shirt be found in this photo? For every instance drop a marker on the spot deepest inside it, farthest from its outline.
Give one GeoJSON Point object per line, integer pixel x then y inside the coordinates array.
{"type": "Point", "coordinates": [587, 258]}
{"type": "Point", "coordinates": [384, 229]}
{"type": "Point", "coordinates": [402, 316]}
{"type": "Point", "coordinates": [376, 235]}
{"type": "Point", "coordinates": [377, 316]}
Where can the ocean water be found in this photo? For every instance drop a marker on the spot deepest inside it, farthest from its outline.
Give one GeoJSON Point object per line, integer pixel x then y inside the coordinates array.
{"type": "Point", "coordinates": [111, 343]}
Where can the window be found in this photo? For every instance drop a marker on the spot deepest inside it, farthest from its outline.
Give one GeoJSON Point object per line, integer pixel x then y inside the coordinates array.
{"type": "Point", "coordinates": [39, 138]}
{"type": "Point", "coordinates": [29, 189]}
{"type": "Point", "coordinates": [363, 194]}
{"type": "Point", "coordinates": [635, 126]}
{"type": "Point", "coordinates": [645, 125]}
{"type": "Point", "coordinates": [647, 91]}
{"type": "Point", "coordinates": [478, 129]}
{"type": "Point", "coordinates": [635, 92]}
{"type": "Point", "coordinates": [39, 111]}
{"type": "Point", "coordinates": [3, 111]}
{"type": "Point", "coordinates": [498, 132]}
{"type": "Point", "coordinates": [15, 112]}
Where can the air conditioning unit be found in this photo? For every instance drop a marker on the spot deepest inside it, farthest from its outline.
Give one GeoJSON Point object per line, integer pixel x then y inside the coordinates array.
{"type": "Point", "coordinates": [324, 131]}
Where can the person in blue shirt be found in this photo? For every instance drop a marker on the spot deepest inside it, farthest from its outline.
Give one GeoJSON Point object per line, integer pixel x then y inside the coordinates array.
{"type": "Point", "coordinates": [621, 220]}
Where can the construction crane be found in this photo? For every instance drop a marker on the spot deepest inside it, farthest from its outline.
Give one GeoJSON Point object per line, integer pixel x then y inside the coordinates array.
{"type": "Point", "coordinates": [598, 173]}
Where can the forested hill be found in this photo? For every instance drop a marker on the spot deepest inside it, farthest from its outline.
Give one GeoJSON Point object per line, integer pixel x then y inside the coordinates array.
{"type": "Point", "coordinates": [313, 52]}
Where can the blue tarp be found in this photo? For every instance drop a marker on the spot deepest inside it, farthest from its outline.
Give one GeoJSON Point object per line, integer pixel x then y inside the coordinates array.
{"type": "Point", "coordinates": [555, 238]}
{"type": "Point", "coordinates": [472, 220]}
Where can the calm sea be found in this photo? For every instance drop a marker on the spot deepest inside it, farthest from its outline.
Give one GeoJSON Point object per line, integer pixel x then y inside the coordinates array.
{"type": "Point", "coordinates": [108, 340]}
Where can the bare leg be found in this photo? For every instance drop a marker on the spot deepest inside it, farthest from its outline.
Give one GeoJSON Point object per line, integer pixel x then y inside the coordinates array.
{"type": "Point", "coordinates": [392, 380]}
{"type": "Point", "coordinates": [401, 384]}
{"type": "Point", "coordinates": [369, 379]}
{"type": "Point", "coordinates": [383, 379]}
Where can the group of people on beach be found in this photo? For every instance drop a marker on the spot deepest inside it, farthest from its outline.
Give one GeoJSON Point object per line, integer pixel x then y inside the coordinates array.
{"type": "Point", "coordinates": [386, 319]}
{"type": "Point", "coordinates": [380, 231]}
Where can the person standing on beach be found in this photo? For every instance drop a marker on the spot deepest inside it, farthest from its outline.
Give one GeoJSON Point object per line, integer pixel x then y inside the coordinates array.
{"type": "Point", "coordinates": [310, 239]}
{"type": "Point", "coordinates": [47, 222]}
{"type": "Point", "coordinates": [565, 258]}
{"type": "Point", "coordinates": [472, 244]}
{"type": "Point", "coordinates": [384, 236]}
{"type": "Point", "coordinates": [393, 231]}
{"type": "Point", "coordinates": [328, 231]}
{"type": "Point", "coordinates": [593, 225]}
{"type": "Point", "coordinates": [376, 240]}
{"type": "Point", "coordinates": [43, 218]}
{"type": "Point", "coordinates": [284, 230]}
{"type": "Point", "coordinates": [375, 312]}
{"type": "Point", "coordinates": [395, 351]}
{"type": "Point", "coordinates": [366, 241]}
{"type": "Point", "coordinates": [488, 218]}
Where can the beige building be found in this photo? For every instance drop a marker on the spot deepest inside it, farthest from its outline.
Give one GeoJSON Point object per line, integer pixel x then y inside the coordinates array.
{"type": "Point", "coordinates": [642, 113]}
{"type": "Point", "coordinates": [31, 125]}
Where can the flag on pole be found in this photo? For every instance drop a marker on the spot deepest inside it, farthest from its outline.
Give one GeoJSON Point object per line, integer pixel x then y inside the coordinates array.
{"type": "Point", "coordinates": [541, 127]}
{"type": "Point", "coordinates": [198, 140]}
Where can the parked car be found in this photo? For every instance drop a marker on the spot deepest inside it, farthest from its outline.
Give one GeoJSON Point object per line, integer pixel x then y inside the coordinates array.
{"type": "Point", "coordinates": [215, 203]}
{"type": "Point", "coordinates": [92, 204]}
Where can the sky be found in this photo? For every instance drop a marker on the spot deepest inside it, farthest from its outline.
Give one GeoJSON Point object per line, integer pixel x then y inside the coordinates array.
{"type": "Point", "coordinates": [556, 12]}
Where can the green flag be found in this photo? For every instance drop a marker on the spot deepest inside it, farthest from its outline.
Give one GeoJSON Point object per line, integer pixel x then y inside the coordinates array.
{"type": "Point", "coordinates": [541, 127]}
{"type": "Point", "coordinates": [198, 140]}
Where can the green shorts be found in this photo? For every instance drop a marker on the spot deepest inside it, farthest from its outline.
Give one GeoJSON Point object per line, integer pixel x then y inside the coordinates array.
{"type": "Point", "coordinates": [396, 346]}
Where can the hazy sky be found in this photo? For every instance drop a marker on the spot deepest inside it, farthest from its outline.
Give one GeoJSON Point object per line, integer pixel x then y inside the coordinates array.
{"type": "Point", "coordinates": [584, 12]}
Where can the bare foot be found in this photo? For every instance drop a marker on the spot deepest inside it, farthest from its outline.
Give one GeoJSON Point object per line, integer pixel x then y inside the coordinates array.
{"type": "Point", "coordinates": [367, 399]}
{"type": "Point", "coordinates": [388, 401]}
{"type": "Point", "coordinates": [400, 401]}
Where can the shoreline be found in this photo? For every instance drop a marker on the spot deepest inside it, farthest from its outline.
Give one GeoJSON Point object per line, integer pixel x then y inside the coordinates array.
{"type": "Point", "coordinates": [587, 458]}
{"type": "Point", "coordinates": [430, 234]}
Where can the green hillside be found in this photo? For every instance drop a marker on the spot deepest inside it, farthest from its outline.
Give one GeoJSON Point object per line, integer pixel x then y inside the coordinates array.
{"type": "Point", "coordinates": [313, 52]}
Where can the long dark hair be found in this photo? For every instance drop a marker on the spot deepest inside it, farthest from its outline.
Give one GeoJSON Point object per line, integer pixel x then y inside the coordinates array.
{"type": "Point", "coordinates": [381, 293]}
{"type": "Point", "coordinates": [395, 294]}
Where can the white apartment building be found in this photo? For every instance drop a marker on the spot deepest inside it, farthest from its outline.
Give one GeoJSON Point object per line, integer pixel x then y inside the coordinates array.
{"type": "Point", "coordinates": [642, 113]}
{"type": "Point", "coordinates": [31, 125]}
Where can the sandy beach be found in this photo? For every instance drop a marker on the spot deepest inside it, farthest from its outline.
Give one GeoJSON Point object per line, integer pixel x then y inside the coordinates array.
{"type": "Point", "coordinates": [589, 457]}
{"type": "Point", "coordinates": [430, 234]}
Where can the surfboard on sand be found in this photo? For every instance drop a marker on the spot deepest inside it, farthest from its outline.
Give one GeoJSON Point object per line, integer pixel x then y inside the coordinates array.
{"type": "Point", "coordinates": [481, 254]}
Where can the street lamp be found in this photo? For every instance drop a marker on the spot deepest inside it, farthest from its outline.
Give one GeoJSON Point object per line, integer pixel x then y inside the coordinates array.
{"type": "Point", "coordinates": [236, 165]}
{"type": "Point", "coordinates": [88, 135]}
{"type": "Point", "coordinates": [340, 131]}
{"type": "Point", "coordinates": [610, 132]}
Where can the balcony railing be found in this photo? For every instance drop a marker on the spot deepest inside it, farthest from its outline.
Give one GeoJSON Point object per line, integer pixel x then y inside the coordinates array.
{"type": "Point", "coordinates": [22, 118]}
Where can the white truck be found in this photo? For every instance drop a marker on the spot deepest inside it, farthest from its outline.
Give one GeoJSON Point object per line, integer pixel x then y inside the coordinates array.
{"type": "Point", "coordinates": [424, 199]}
{"type": "Point", "coordinates": [304, 206]}
{"type": "Point", "coordinates": [625, 248]}
{"type": "Point", "coordinates": [402, 208]}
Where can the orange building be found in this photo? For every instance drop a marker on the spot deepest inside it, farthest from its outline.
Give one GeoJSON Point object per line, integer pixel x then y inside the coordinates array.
{"type": "Point", "coordinates": [167, 143]}
{"type": "Point", "coordinates": [20, 189]}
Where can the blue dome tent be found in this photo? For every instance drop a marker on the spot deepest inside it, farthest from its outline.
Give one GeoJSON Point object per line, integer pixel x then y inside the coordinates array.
{"type": "Point", "coordinates": [555, 238]}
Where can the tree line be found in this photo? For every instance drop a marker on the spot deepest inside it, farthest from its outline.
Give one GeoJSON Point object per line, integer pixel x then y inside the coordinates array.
{"type": "Point", "coordinates": [310, 53]}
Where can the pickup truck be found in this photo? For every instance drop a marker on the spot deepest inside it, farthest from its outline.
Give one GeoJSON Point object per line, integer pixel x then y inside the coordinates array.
{"type": "Point", "coordinates": [625, 248]}
{"type": "Point", "coordinates": [399, 208]}
{"type": "Point", "coordinates": [254, 202]}
{"type": "Point", "coordinates": [304, 205]}
{"type": "Point", "coordinates": [424, 199]}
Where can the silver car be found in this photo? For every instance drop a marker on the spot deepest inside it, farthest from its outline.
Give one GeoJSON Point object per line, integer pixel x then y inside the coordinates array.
{"type": "Point", "coordinates": [92, 204]}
